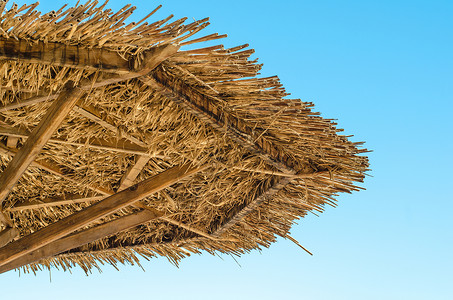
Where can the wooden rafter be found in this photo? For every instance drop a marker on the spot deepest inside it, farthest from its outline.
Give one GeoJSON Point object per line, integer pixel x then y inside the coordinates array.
{"type": "Point", "coordinates": [72, 56]}
{"type": "Point", "coordinates": [74, 199]}
{"type": "Point", "coordinates": [54, 202]}
{"type": "Point", "coordinates": [11, 142]}
{"type": "Point", "coordinates": [81, 238]}
{"type": "Point", "coordinates": [38, 138]}
{"type": "Point", "coordinates": [7, 235]}
{"type": "Point", "coordinates": [114, 144]}
{"type": "Point", "coordinates": [94, 212]}
{"type": "Point", "coordinates": [204, 107]}
{"type": "Point", "coordinates": [174, 222]}
{"type": "Point", "coordinates": [133, 172]}
{"type": "Point", "coordinates": [28, 101]}
{"type": "Point", "coordinates": [54, 169]}
{"type": "Point", "coordinates": [265, 195]}
{"type": "Point", "coordinates": [71, 199]}
{"type": "Point", "coordinates": [127, 182]}
{"type": "Point", "coordinates": [129, 178]}
{"type": "Point", "coordinates": [95, 115]}
{"type": "Point", "coordinates": [152, 59]}
{"type": "Point", "coordinates": [251, 206]}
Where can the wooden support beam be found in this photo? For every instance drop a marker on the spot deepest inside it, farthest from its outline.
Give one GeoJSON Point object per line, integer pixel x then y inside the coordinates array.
{"type": "Point", "coordinates": [205, 108]}
{"type": "Point", "coordinates": [56, 170]}
{"type": "Point", "coordinates": [275, 173]}
{"type": "Point", "coordinates": [72, 56]}
{"type": "Point", "coordinates": [26, 102]}
{"type": "Point", "coordinates": [7, 235]}
{"type": "Point", "coordinates": [251, 206]}
{"type": "Point", "coordinates": [95, 115]}
{"type": "Point", "coordinates": [19, 88]}
{"type": "Point", "coordinates": [152, 58]}
{"type": "Point", "coordinates": [53, 202]}
{"type": "Point", "coordinates": [38, 138]}
{"type": "Point", "coordinates": [174, 222]}
{"type": "Point", "coordinates": [81, 238]}
{"type": "Point", "coordinates": [114, 144]}
{"type": "Point", "coordinates": [63, 55]}
{"type": "Point", "coordinates": [11, 142]}
{"type": "Point", "coordinates": [5, 220]}
{"type": "Point", "coordinates": [127, 182]}
{"type": "Point", "coordinates": [129, 178]}
{"type": "Point", "coordinates": [265, 195]}
{"type": "Point", "coordinates": [94, 212]}
{"type": "Point", "coordinates": [132, 172]}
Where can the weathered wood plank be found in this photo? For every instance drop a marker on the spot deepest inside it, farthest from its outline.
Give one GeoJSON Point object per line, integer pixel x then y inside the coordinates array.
{"type": "Point", "coordinates": [7, 235]}
{"type": "Point", "coordinates": [94, 212]}
{"type": "Point", "coordinates": [38, 138]}
{"type": "Point", "coordinates": [81, 238]}
{"type": "Point", "coordinates": [11, 142]}
{"type": "Point", "coordinates": [132, 172]}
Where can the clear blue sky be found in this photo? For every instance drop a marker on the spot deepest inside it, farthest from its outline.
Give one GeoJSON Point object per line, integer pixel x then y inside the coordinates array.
{"type": "Point", "coordinates": [384, 69]}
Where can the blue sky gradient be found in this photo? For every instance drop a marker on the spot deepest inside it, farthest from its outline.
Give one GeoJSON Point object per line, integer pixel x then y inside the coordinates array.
{"type": "Point", "coordinates": [384, 69]}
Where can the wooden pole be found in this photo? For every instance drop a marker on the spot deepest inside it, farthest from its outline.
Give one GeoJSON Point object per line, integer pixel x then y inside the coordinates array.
{"type": "Point", "coordinates": [53, 202]}
{"type": "Point", "coordinates": [113, 144]}
{"type": "Point", "coordinates": [38, 138]}
{"type": "Point", "coordinates": [81, 238]}
{"type": "Point", "coordinates": [56, 169]}
{"type": "Point", "coordinates": [133, 171]}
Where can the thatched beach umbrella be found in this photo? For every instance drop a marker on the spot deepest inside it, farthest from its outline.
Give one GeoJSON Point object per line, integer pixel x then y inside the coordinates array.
{"type": "Point", "coordinates": [122, 139]}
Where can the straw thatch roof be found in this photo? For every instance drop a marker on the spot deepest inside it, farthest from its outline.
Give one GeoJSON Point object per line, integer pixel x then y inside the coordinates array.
{"type": "Point", "coordinates": [117, 140]}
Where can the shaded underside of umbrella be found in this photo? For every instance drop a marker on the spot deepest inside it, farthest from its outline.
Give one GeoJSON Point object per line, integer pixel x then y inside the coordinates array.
{"type": "Point", "coordinates": [120, 140]}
